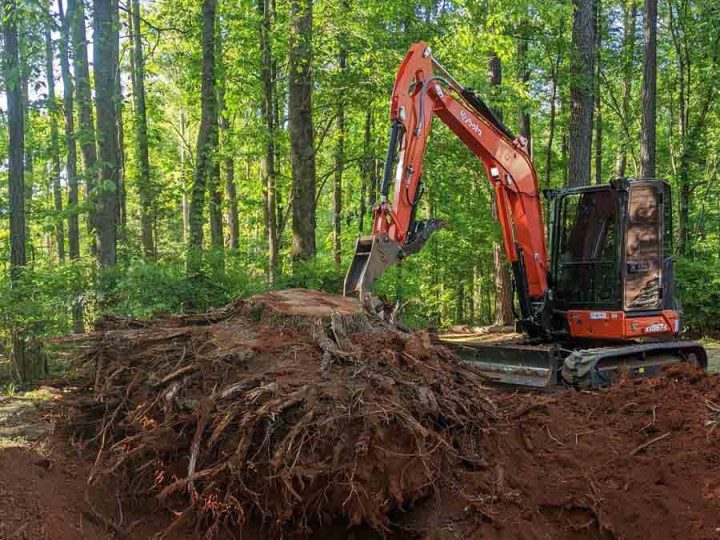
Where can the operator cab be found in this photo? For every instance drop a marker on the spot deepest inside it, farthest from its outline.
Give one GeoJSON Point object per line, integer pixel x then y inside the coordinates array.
{"type": "Point", "coordinates": [611, 250]}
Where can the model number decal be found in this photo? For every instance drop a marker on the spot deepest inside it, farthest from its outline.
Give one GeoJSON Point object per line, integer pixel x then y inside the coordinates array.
{"type": "Point", "coordinates": [598, 315]}
{"type": "Point", "coordinates": [657, 327]}
{"type": "Point", "coordinates": [469, 121]}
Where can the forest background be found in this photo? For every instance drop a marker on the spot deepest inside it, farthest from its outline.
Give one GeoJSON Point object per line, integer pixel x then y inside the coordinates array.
{"type": "Point", "coordinates": [172, 155]}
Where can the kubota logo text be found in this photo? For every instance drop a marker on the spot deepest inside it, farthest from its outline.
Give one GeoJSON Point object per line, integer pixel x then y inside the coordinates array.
{"type": "Point", "coordinates": [469, 121]}
{"type": "Point", "coordinates": [657, 327]}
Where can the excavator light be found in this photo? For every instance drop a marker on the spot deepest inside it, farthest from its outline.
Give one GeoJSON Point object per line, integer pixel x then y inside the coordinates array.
{"type": "Point", "coordinates": [402, 115]}
{"type": "Point", "coordinates": [427, 52]}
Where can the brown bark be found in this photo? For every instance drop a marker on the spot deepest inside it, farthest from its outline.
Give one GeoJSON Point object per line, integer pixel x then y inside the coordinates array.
{"type": "Point", "coordinates": [217, 238]}
{"type": "Point", "coordinates": [144, 186]}
{"type": "Point", "coordinates": [367, 167]}
{"type": "Point", "coordinates": [86, 122]}
{"type": "Point", "coordinates": [503, 290]}
{"type": "Point", "coordinates": [582, 71]}
{"type": "Point", "coordinates": [207, 137]}
{"type": "Point", "coordinates": [598, 146]}
{"type": "Point", "coordinates": [118, 100]}
{"type": "Point", "coordinates": [70, 159]}
{"type": "Point", "coordinates": [54, 143]}
{"type": "Point", "coordinates": [339, 155]}
{"type": "Point", "coordinates": [552, 120]}
{"type": "Point", "coordinates": [524, 76]}
{"type": "Point", "coordinates": [301, 131]}
{"type": "Point", "coordinates": [16, 139]}
{"type": "Point", "coordinates": [629, 20]}
{"type": "Point", "coordinates": [70, 143]}
{"type": "Point", "coordinates": [233, 222]}
{"type": "Point", "coordinates": [105, 66]}
{"type": "Point", "coordinates": [649, 92]}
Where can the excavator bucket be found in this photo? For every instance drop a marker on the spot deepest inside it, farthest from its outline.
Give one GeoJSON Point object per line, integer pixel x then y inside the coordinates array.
{"type": "Point", "coordinates": [372, 257]}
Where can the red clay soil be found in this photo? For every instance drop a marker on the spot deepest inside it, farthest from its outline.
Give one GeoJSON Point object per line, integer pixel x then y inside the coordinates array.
{"type": "Point", "coordinates": [44, 496]}
{"type": "Point", "coordinates": [640, 460]}
{"type": "Point", "coordinates": [340, 423]}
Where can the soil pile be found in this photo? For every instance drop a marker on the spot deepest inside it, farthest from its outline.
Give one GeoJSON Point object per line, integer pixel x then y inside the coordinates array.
{"type": "Point", "coordinates": [295, 410]}
{"type": "Point", "coordinates": [638, 460]}
{"type": "Point", "coordinates": [292, 409]}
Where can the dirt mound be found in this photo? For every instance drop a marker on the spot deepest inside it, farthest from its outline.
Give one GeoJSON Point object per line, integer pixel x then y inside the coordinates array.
{"type": "Point", "coordinates": [295, 413]}
{"type": "Point", "coordinates": [292, 409]}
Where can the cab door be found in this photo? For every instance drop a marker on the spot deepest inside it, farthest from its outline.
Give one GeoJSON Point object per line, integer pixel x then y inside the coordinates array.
{"type": "Point", "coordinates": [643, 248]}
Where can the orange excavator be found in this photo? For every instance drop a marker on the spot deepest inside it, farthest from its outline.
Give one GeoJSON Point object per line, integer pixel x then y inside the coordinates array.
{"type": "Point", "coordinates": [599, 304]}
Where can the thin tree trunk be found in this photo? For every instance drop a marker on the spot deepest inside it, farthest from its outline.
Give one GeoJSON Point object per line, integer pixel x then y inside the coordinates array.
{"type": "Point", "coordinates": [54, 143]}
{"type": "Point", "coordinates": [217, 238]}
{"type": "Point", "coordinates": [649, 93]}
{"type": "Point", "coordinates": [367, 166]}
{"type": "Point", "coordinates": [119, 102]}
{"type": "Point", "coordinates": [105, 66]}
{"type": "Point", "coordinates": [145, 190]}
{"type": "Point", "coordinates": [86, 132]}
{"type": "Point", "coordinates": [339, 154]}
{"type": "Point", "coordinates": [70, 144]}
{"type": "Point", "coordinates": [301, 131]}
{"type": "Point", "coordinates": [183, 172]}
{"type": "Point", "coordinates": [552, 120]}
{"type": "Point", "coordinates": [70, 159]}
{"type": "Point", "coordinates": [233, 221]}
{"type": "Point", "coordinates": [207, 137]}
{"type": "Point", "coordinates": [503, 290]}
{"type": "Point", "coordinates": [582, 71]}
{"type": "Point", "coordinates": [598, 105]}
{"type": "Point", "coordinates": [629, 20]}
{"type": "Point", "coordinates": [524, 76]}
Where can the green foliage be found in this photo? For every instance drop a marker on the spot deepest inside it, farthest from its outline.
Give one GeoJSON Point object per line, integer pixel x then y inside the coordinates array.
{"type": "Point", "coordinates": [698, 281]}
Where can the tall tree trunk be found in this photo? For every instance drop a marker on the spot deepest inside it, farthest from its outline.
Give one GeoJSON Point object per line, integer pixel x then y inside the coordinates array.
{"type": "Point", "coordinates": [524, 76]}
{"type": "Point", "coordinates": [339, 152]}
{"type": "Point", "coordinates": [145, 190]}
{"type": "Point", "coordinates": [207, 137]}
{"type": "Point", "coordinates": [105, 67]}
{"type": "Point", "coordinates": [217, 239]}
{"type": "Point", "coordinates": [268, 112]}
{"type": "Point", "coordinates": [503, 290]}
{"type": "Point", "coordinates": [119, 102]}
{"type": "Point", "coordinates": [649, 92]}
{"type": "Point", "coordinates": [28, 367]}
{"type": "Point", "coordinates": [598, 104]}
{"type": "Point", "coordinates": [86, 132]}
{"type": "Point", "coordinates": [54, 143]}
{"type": "Point", "coordinates": [184, 174]}
{"type": "Point", "coordinates": [16, 138]}
{"type": "Point", "coordinates": [70, 159]}
{"type": "Point", "coordinates": [552, 120]}
{"type": "Point", "coordinates": [629, 20]}
{"type": "Point", "coordinates": [582, 71]}
{"type": "Point", "coordinates": [367, 167]}
{"type": "Point", "coordinates": [301, 130]}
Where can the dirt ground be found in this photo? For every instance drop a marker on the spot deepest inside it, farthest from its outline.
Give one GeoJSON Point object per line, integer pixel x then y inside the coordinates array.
{"type": "Point", "coordinates": [639, 460]}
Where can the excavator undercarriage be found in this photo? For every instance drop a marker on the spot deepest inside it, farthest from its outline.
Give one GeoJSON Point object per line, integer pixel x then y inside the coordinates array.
{"type": "Point", "coordinates": [518, 361]}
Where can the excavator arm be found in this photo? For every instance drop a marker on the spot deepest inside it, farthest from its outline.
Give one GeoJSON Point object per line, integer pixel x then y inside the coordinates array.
{"type": "Point", "coordinates": [424, 89]}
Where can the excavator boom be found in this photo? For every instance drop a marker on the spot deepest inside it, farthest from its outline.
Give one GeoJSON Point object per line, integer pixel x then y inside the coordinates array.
{"type": "Point", "coordinates": [424, 89]}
